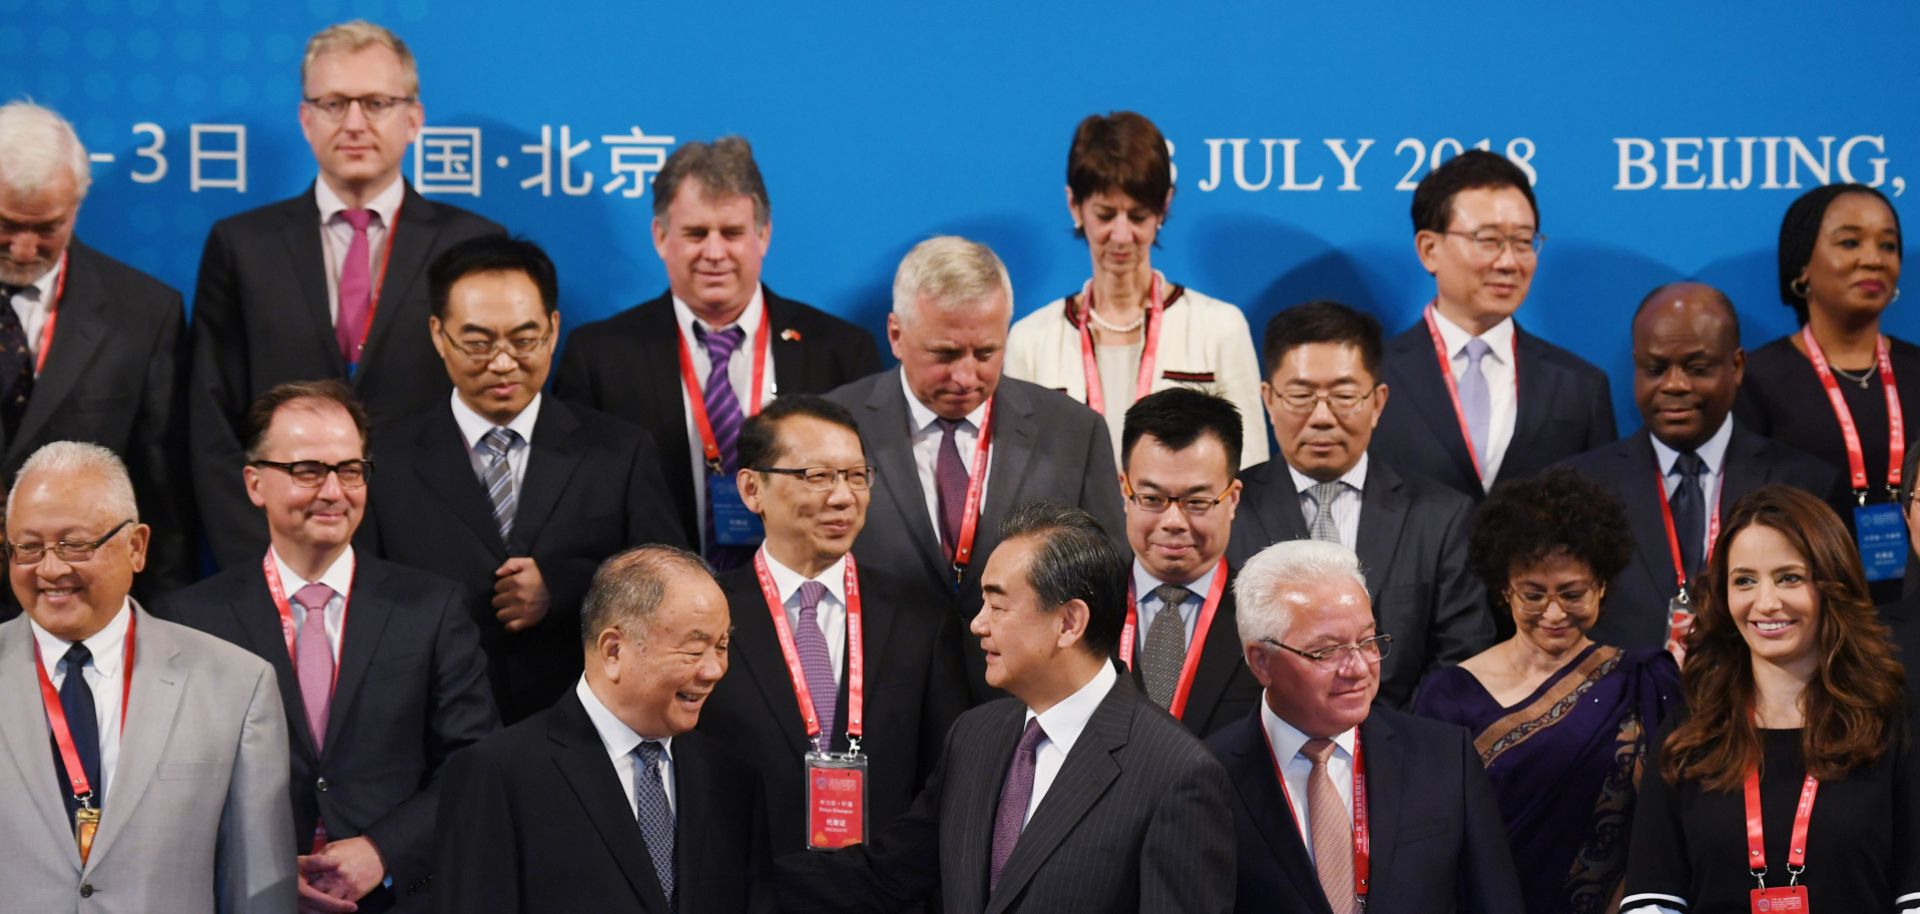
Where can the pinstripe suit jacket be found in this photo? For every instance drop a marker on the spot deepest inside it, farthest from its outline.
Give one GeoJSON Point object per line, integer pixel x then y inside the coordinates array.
{"type": "Point", "coordinates": [1136, 820]}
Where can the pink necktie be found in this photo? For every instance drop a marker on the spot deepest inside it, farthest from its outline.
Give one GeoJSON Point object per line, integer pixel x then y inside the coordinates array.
{"type": "Point", "coordinates": [1332, 830]}
{"type": "Point", "coordinates": [356, 288]}
{"type": "Point", "coordinates": [313, 658]}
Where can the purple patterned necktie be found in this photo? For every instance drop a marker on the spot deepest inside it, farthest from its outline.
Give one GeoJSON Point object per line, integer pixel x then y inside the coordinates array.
{"type": "Point", "coordinates": [816, 664]}
{"type": "Point", "coordinates": [16, 363]}
{"type": "Point", "coordinates": [723, 413]}
{"type": "Point", "coordinates": [313, 658]}
{"type": "Point", "coordinates": [1011, 818]}
{"type": "Point", "coordinates": [950, 483]}
{"type": "Point", "coordinates": [356, 287]}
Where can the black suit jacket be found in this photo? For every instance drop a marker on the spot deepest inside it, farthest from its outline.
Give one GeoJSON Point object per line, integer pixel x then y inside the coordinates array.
{"type": "Point", "coordinates": [533, 819]}
{"type": "Point", "coordinates": [1635, 611]}
{"type": "Point", "coordinates": [1135, 821]}
{"type": "Point", "coordinates": [1223, 688]}
{"type": "Point", "coordinates": [1564, 410]}
{"type": "Point", "coordinates": [914, 690]}
{"type": "Point", "coordinates": [1046, 447]}
{"type": "Point", "coordinates": [1903, 623]}
{"type": "Point", "coordinates": [629, 365]}
{"type": "Point", "coordinates": [261, 316]}
{"type": "Point", "coordinates": [589, 493]}
{"type": "Point", "coordinates": [114, 376]}
{"type": "Point", "coordinates": [1436, 835]}
{"type": "Point", "coordinates": [1412, 545]}
{"type": "Point", "coordinates": [411, 691]}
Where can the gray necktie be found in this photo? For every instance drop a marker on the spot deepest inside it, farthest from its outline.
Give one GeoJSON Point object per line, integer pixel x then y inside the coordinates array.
{"type": "Point", "coordinates": [1323, 495]}
{"type": "Point", "coordinates": [1166, 647]}
{"type": "Point", "coordinates": [498, 476]}
{"type": "Point", "coordinates": [656, 814]}
{"type": "Point", "coordinates": [1476, 401]}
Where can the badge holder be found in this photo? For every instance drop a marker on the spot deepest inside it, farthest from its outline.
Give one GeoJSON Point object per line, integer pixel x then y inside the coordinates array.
{"type": "Point", "coordinates": [836, 798]}
{"type": "Point", "coordinates": [86, 822]}
{"type": "Point", "coordinates": [1787, 899]}
{"type": "Point", "coordinates": [1881, 534]}
{"type": "Point", "coordinates": [1679, 618]}
{"type": "Point", "coordinates": [733, 524]}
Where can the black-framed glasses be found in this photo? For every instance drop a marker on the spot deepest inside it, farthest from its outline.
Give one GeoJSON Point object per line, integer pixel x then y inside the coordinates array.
{"type": "Point", "coordinates": [1191, 506]}
{"type": "Point", "coordinates": [312, 474]}
{"type": "Point", "coordinates": [1491, 244]}
{"type": "Point", "coordinates": [517, 348]}
{"type": "Point", "coordinates": [1535, 602]}
{"type": "Point", "coordinates": [33, 553]}
{"type": "Point", "coordinates": [1369, 650]}
{"type": "Point", "coordinates": [823, 479]}
{"type": "Point", "coordinates": [1340, 402]}
{"type": "Point", "coordinates": [375, 107]}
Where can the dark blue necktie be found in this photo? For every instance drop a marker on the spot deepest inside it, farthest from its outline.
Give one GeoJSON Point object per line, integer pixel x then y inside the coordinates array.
{"type": "Point", "coordinates": [1689, 514]}
{"type": "Point", "coordinates": [76, 700]}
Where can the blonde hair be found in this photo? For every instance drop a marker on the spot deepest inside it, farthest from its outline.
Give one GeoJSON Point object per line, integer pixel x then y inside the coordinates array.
{"type": "Point", "coordinates": [348, 37]}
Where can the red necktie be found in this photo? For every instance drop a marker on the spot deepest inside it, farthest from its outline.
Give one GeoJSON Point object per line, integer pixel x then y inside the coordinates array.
{"type": "Point", "coordinates": [356, 288]}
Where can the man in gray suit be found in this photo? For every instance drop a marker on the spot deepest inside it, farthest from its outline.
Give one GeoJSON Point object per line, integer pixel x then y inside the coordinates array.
{"type": "Point", "coordinates": [164, 787]}
{"type": "Point", "coordinates": [956, 445]}
{"type": "Point", "coordinates": [1076, 794]}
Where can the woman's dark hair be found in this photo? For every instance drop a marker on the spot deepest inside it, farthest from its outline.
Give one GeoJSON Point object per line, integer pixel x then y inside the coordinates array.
{"type": "Point", "coordinates": [1855, 699]}
{"type": "Point", "coordinates": [1800, 231]}
{"type": "Point", "coordinates": [1559, 512]}
{"type": "Point", "coordinates": [1121, 151]}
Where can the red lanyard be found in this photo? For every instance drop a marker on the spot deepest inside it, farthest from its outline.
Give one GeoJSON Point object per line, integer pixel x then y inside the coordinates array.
{"type": "Point", "coordinates": [856, 667]}
{"type": "Point", "coordinates": [1673, 535]}
{"type": "Point", "coordinates": [379, 282]}
{"type": "Point", "coordinates": [57, 715]}
{"type": "Point", "coordinates": [697, 400]}
{"type": "Point", "coordinates": [1199, 640]}
{"type": "Point", "coordinates": [1096, 399]}
{"type": "Point", "coordinates": [1362, 849]}
{"type": "Point", "coordinates": [53, 315]}
{"type": "Point", "coordinates": [1896, 433]}
{"type": "Point", "coordinates": [279, 593]}
{"type": "Point", "coordinates": [1802, 816]}
{"type": "Point", "coordinates": [1453, 388]}
{"type": "Point", "coordinates": [970, 511]}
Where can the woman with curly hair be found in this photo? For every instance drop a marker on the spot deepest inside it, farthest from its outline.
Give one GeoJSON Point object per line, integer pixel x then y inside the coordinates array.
{"type": "Point", "coordinates": [1561, 722]}
{"type": "Point", "coordinates": [1795, 703]}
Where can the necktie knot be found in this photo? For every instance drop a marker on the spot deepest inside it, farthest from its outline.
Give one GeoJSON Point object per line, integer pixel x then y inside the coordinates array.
{"type": "Point", "coordinates": [1689, 465]}
{"type": "Point", "coordinates": [720, 344]}
{"type": "Point", "coordinates": [811, 593]}
{"type": "Point", "coordinates": [650, 753]}
{"type": "Point", "coordinates": [358, 218]}
{"type": "Point", "coordinates": [76, 657]}
{"type": "Point", "coordinates": [8, 291]}
{"type": "Point", "coordinates": [1476, 349]}
{"type": "Point", "coordinates": [498, 441]}
{"type": "Point", "coordinates": [1171, 596]}
{"type": "Point", "coordinates": [1318, 751]}
{"type": "Point", "coordinates": [947, 426]}
{"type": "Point", "coordinates": [1324, 493]}
{"type": "Point", "coordinates": [1030, 738]}
{"type": "Point", "coordinates": [313, 597]}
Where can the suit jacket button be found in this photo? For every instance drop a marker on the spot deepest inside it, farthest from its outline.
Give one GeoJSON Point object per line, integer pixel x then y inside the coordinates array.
{"type": "Point", "coordinates": [86, 890]}
{"type": "Point", "coordinates": [320, 785]}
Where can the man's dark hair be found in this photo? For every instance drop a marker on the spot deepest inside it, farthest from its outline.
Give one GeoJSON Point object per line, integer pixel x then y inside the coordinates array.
{"type": "Point", "coordinates": [724, 168]}
{"type": "Point", "coordinates": [759, 443]}
{"type": "Point", "coordinates": [1800, 231]}
{"type": "Point", "coordinates": [1075, 561]}
{"type": "Point", "coordinates": [628, 588]}
{"type": "Point", "coordinates": [1732, 336]}
{"type": "Point", "coordinates": [1322, 322]}
{"type": "Point", "coordinates": [492, 254]}
{"type": "Point", "coordinates": [1177, 417]}
{"type": "Point", "coordinates": [1471, 170]}
{"type": "Point", "coordinates": [333, 390]}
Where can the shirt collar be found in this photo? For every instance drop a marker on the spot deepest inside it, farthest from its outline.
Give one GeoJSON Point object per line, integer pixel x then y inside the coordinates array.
{"type": "Point", "coordinates": [749, 319]}
{"type": "Point", "coordinates": [473, 425]}
{"type": "Point", "coordinates": [1287, 739]}
{"type": "Point", "coordinates": [1499, 338]}
{"type": "Point", "coordinates": [614, 734]}
{"type": "Point", "coordinates": [107, 644]}
{"type": "Point", "coordinates": [1713, 453]}
{"type": "Point", "coordinates": [924, 417]}
{"type": "Point", "coordinates": [385, 203]}
{"type": "Point", "coordinates": [1356, 477]}
{"type": "Point", "coordinates": [338, 575]}
{"type": "Point", "coordinates": [1064, 721]}
{"type": "Point", "coordinates": [787, 581]}
{"type": "Point", "coordinates": [1144, 581]}
{"type": "Point", "coordinates": [42, 288]}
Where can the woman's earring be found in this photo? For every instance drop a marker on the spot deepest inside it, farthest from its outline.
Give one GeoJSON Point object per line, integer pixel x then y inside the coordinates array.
{"type": "Point", "coordinates": [1799, 287]}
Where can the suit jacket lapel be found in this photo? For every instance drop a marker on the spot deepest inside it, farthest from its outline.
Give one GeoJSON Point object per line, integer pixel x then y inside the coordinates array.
{"type": "Point", "coordinates": [1278, 509]}
{"type": "Point", "coordinates": [1538, 390]}
{"type": "Point", "coordinates": [81, 328]}
{"type": "Point", "coordinates": [300, 231]}
{"type": "Point", "coordinates": [890, 446]}
{"type": "Point", "coordinates": [1249, 763]}
{"type": "Point", "coordinates": [362, 635]}
{"type": "Point", "coordinates": [582, 760]}
{"type": "Point", "coordinates": [1383, 512]}
{"type": "Point", "coordinates": [979, 776]}
{"type": "Point", "coordinates": [1744, 467]}
{"type": "Point", "coordinates": [1387, 767]}
{"type": "Point", "coordinates": [413, 235]}
{"type": "Point", "coordinates": [23, 728]}
{"type": "Point", "coordinates": [1640, 472]}
{"type": "Point", "coordinates": [696, 846]}
{"type": "Point", "coordinates": [758, 647]}
{"type": "Point", "coordinates": [550, 466]}
{"type": "Point", "coordinates": [443, 467]}
{"type": "Point", "coordinates": [158, 680]}
{"type": "Point", "coordinates": [259, 621]}
{"type": "Point", "coordinates": [1429, 398]}
{"type": "Point", "coordinates": [1014, 435]}
{"type": "Point", "coordinates": [1219, 660]}
{"type": "Point", "coordinates": [793, 363]}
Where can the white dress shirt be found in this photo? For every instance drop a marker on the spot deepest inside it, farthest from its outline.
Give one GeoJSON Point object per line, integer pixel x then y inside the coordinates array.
{"type": "Point", "coordinates": [1296, 767]}
{"type": "Point", "coordinates": [739, 374]}
{"type": "Point", "coordinates": [620, 741]}
{"type": "Point", "coordinates": [33, 303]}
{"type": "Point", "coordinates": [474, 426]}
{"type": "Point", "coordinates": [831, 613]}
{"type": "Point", "coordinates": [338, 576]}
{"type": "Point", "coordinates": [1714, 455]}
{"type": "Point", "coordinates": [105, 675]}
{"type": "Point", "coordinates": [336, 235]}
{"type": "Point", "coordinates": [1063, 724]}
{"type": "Point", "coordinates": [1346, 502]}
{"type": "Point", "coordinates": [926, 450]}
{"type": "Point", "coordinates": [1503, 396]}
{"type": "Point", "coordinates": [1150, 606]}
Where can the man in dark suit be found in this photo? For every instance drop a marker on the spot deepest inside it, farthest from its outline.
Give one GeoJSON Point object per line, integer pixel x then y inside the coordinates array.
{"type": "Point", "coordinates": [513, 496]}
{"type": "Point", "coordinates": [1903, 618]}
{"type": "Point", "coordinates": [610, 801]}
{"type": "Point", "coordinates": [712, 223]}
{"type": "Point", "coordinates": [1179, 452]}
{"type": "Point", "coordinates": [1500, 403]}
{"type": "Point", "coordinates": [934, 516]}
{"type": "Point", "coordinates": [328, 284]}
{"type": "Point", "coordinates": [1355, 783]}
{"type": "Point", "coordinates": [802, 472]}
{"type": "Point", "coordinates": [1692, 460]}
{"type": "Point", "coordinates": [1077, 793]}
{"type": "Point", "coordinates": [1324, 397]}
{"type": "Point", "coordinates": [376, 701]}
{"type": "Point", "coordinates": [115, 376]}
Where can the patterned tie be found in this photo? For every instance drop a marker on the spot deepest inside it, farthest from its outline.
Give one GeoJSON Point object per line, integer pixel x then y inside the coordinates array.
{"type": "Point", "coordinates": [313, 658]}
{"type": "Point", "coordinates": [1322, 495]}
{"type": "Point", "coordinates": [816, 664]}
{"type": "Point", "coordinates": [1475, 399]}
{"type": "Point", "coordinates": [16, 363]}
{"type": "Point", "coordinates": [950, 484]}
{"type": "Point", "coordinates": [656, 814]}
{"type": "Point", "coordinates": [498, 477]}
{"type": "Point", "coordinates": [76, 700]}
{"type": "Point", "coordinates": [1689, 516]}
{"type": "Point", "coordinates": [723, 413]}
{"type": "Point", "coordinates": [1011, 817]}
{"type": "Point", "coordinates": [356, 287]}
{"type": "Point", "coordinates": [1331, 828]}
{"type": "Point", "coordinates": [1166, 648]}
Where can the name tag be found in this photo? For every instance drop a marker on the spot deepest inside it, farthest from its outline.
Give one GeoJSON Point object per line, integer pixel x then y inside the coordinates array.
{"type": "Point", "coordinates": [733, 524]}
{"type": "Point", "coordinates": [1882, 536]}
{"type": "Point", "coordinates": [836, 800]}
{"type": "Point", "coordinates": [1787, 899]}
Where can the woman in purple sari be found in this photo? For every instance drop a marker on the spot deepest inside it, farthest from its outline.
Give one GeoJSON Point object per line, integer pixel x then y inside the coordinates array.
{"type": "Point", "coordinates": [1561, 723]}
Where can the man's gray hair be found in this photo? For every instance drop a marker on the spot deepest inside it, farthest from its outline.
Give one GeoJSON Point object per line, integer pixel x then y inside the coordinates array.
{"type": "Point", "coordinates": [72, 457]}
{"type": "Point", "coordinates": [34, 143]}
{"type": "Point", "coordinates": [628, 589]}
{"type": "Point", "coordinates": [724, 168]}
{"type": "Point", "coordinates": [1296, 563]}
{"type": "Point", "coordinates": [952, 273]}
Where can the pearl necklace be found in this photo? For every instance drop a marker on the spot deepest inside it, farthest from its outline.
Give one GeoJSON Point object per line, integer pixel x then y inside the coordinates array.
{"type": "Point", "coordinates": [1102, 323]}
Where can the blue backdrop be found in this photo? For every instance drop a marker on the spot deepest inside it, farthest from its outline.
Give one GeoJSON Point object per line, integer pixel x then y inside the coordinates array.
{"type": "Point", "coordinates": [1667, 138]}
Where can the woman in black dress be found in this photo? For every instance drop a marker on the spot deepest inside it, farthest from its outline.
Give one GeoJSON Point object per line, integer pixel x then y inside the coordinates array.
{"type": "Point", "coordinates": [1789, 682]}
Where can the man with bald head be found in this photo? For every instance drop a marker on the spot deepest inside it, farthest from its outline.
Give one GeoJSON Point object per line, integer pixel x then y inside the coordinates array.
{"type": "Point", "coordinates": [1687, 367]}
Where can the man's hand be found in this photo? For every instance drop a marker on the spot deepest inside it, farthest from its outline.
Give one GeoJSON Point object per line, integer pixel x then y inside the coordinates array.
{"type": "Point", "coordinates": [520, 597]}
{"type": "Point", "coordinates": [322, 891]}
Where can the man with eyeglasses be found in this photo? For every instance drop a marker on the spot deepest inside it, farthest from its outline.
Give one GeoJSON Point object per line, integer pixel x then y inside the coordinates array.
{"type": "Point", "coordinates": [379, 667]}
{"type": "Point", "coordinates": [1342, 805]}
{"type": "Point", "coordinates": [1179, 449]}
{"type": "Point", "coordinates": [147, 765]}
{"type": "Point", "coordinates": [516, 496]}
{"type": "Point", "coordinates": [328, 284]}
{"type": "Point", "coordinates": [1479, 399]}
{"type": "Point", "coordinates": [881, 681]}
{"type": "Point", "coordinates": [1324, 396]}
